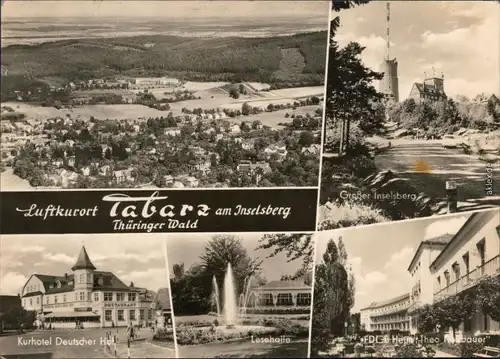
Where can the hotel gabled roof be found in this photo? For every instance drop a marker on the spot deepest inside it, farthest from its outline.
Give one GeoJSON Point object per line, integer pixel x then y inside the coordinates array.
{"type": "Point", "coordinates": [442, 240]}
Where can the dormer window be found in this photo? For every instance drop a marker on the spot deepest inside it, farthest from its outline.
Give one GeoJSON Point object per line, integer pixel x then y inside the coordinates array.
{"type": "Point", "coordinates": [70, 282]}
{"type": "Point", "coordinates": [51, 286]}
{"type": "Point", "coordinates": [58, 283]}
{"type": "Point", "coordinates": [100, 281]}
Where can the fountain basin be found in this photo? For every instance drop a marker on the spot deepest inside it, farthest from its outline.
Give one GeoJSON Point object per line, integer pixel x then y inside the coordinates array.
{"type": "Point", "coordinates": [255, 329]}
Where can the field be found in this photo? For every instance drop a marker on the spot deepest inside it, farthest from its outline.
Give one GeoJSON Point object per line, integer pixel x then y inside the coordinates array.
{"type": "Point", "coordinates": [212, 95]}
{"type": "Point", "coordinates": [201, 86]}
{"type": "Point", "coordinates": [272, 119]}
{"type": "Point", "coordinates": [300, 92]}
{"type": "Point", "coordinates": [118, 112]}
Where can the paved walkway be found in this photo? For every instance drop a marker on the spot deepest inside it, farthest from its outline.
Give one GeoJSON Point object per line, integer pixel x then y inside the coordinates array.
{"type": "Point", "coordinates": [144, 349]}
{"type": "Point", "coordinates": [140, 348]}
{"type": "Point", "coordinates": [440, 354]}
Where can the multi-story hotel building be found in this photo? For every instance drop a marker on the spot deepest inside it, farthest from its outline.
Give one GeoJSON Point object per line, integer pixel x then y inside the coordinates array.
{"type": "Point", "coordinates": [454, 264]}
{"type": "Point", "coordinates": [387, 315]}
{"type": "Point", "coordinates": [87, 296]}
{"type": "Point", "coordinates": [421, 292]}
{"type": "Point", "coordinates": [444, 267]}
{"type": "Point", "coordinates": [470, 257]}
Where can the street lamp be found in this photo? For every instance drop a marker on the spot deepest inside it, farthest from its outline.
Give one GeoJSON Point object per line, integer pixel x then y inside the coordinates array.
{"type": "Point", "coordinates": [452, 196]}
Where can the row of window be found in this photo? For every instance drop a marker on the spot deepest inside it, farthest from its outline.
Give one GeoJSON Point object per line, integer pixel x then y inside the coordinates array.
{"type": "Point", "coordinates": [456, 272]}
{"type": "Point", "coordinates": [302, 299]}
{"type": "Point", "coordinates": [391, 307]}
{"type": "Point", "coordinates": [80, 296]}
{"type": "Point", "coordinates": [32, 288]}
{"type": "Point", "coordinates": [108, 314]}
{"type": "Point", "coordinates": [120, 297]}
{"type": "Point", "coordinates": [390, 318]}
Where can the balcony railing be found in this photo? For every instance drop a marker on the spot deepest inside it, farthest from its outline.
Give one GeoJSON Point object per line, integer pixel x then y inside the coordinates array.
{"type": "Point", "coordinates": [391, 321]}
{"type": "Point", "coordinates": [471, 279]}
{"type": "Point", "coordinates": [389, 311]}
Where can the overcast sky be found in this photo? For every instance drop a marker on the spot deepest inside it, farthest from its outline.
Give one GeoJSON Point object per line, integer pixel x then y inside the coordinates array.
{"type": "Point", "coordinates": [165, 9]}
{"type": "Point", "coordinates": [380, 254]}
{"type": "Point", "coordinates": [187, 248]}
{"type": "Point", "coordinates": [137, 258]}
{"type": "Point", "coordinates": [459, 38]}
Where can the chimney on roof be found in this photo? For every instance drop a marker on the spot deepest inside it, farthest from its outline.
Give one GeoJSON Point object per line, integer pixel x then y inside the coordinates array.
{"type": "Point", "coordinates": [131, 284]}
{"type": "Point", "coordinates": [65, 275]}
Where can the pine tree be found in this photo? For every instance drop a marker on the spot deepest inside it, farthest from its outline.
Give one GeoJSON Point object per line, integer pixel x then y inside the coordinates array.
{"type": "Point", "coordinates": [333, 297]}
{"type": "Point", "coordinates": [351, 95]}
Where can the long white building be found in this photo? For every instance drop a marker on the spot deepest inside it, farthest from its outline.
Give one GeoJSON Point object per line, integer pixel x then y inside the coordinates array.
{"type": "Point", "coordinates": [88, 296]}
{"type": "Point", "coordinates": [442, 267]}
{"type": "Point", "coordinates": [387, 315]}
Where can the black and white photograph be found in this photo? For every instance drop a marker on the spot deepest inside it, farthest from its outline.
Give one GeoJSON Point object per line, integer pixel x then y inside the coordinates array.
{"type": "Point", "coordinates": [418, 288]}
{"type": "Point", "coordinates": [412, 111]}
{"type": "Point", "coordinates": [85, 296]}
{"type": "Point", "coordinates": [241, 296]}
{"type": "Point", "coordinates": [177, 94]}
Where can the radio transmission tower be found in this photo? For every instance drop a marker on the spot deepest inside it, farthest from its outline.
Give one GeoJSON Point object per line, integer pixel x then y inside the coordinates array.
{"type": "Point", "coordinates": [388, 31]}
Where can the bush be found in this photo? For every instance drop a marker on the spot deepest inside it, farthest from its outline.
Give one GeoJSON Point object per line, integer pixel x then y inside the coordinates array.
{"type": "Point", "coordinates": [467, 350]}
{"type": "Point", "coordinates": [291, 310]}
{"type": "Point", "coordinates": [196, 323]}
{"type": "Point", "coordinates": [285, 326]}
{"type": "Point", "coordinates": [164, 335]}
{"type": "Point", "coordinates": [409, 350]}
{"type": "Point", "coordinates": [348, 215]}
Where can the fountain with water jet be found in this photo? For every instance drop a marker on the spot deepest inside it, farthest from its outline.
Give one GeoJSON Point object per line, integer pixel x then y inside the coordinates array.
{"type": "Point", "coordinates": [245, 296]}
{"type": "Point", "coordinates": [215, 296]}
{"type": "Point", "coordinates": [230, 306]}
{"type": "Point", "coordinates": [229, 316]}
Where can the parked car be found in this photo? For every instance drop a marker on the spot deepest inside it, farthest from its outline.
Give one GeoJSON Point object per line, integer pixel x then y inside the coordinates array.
{"type": "Point", "coordinates": [449, 141]}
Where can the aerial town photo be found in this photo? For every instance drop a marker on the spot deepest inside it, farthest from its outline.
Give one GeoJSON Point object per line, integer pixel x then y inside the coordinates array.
{"type": "Point", "coordinates": [412, 111]}
{"type": "Point", "coordinates": [104, 94]}
{"type": "Point", "coordinates": [240, 296]}
{"type": "Point", "coordinates": [99, 296]}
{"type": "Point", "coordinates": [440, 296]}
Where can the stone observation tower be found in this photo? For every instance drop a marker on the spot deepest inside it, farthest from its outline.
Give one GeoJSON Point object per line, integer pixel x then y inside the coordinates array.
{"type": "Point", "coordinates": [389, 85]}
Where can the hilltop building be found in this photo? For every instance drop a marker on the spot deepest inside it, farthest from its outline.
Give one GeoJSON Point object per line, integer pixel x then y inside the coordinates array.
{"type": "Point", "coordinates": [432, 89]}
{"type": "Point", "coordinates": [88, 296]}
{"type": "Point", "coordinates": [389, 85]}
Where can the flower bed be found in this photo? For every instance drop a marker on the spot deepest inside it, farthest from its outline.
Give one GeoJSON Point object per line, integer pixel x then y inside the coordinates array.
{"type": "Point", "coordinates": [190, 335]}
